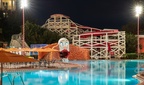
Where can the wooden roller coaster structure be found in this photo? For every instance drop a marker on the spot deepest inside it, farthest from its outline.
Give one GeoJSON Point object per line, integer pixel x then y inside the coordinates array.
{"type": "Point", "coordinates": [103, 43]}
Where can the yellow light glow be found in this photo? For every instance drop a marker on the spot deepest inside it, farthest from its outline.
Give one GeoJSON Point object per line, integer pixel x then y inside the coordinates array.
{"type": "Point", "coordinates": [23, 3]}
{"type": "Point", "coordinates": [138, 10]}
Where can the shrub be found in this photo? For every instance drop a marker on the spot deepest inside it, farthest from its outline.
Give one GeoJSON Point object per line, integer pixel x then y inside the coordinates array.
{"type": "Point", "coordinates": [141, 56]}
{"type": "Point", "coordinates": [130, 56]}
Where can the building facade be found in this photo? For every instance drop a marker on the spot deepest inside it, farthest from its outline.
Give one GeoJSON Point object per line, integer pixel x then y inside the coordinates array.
{"type": "Point", "coordinates": [8, 5]}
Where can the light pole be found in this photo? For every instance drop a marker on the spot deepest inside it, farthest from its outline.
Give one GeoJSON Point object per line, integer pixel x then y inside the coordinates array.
{"type": "Point", "coordinates": [138, 10]}
{"type": "Point", "coordinates": [23, 5]}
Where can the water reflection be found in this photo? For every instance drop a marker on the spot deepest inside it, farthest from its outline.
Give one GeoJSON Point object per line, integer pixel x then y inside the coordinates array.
{"type": "Point", "coordinates": [63, 77]}
{"type": "Point", "coordinates": [100, 72]}
{"type": "Point", "coordinates": [108, 72]}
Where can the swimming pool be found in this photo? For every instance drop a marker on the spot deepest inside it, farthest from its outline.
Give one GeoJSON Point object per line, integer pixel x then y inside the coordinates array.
{"type": "Point", "coordinates": [93, 72]}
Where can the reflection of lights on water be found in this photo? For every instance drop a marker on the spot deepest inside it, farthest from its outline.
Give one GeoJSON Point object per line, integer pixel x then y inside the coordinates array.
{"type": "Point", "coordinates": [120, 80]}
{"type": "Point", "coordinates": [127, 80]}
{"type": "Point", "coordinates": [53, 74]}
{"type": "Point", "coordinates": [63, 77]}
{"type": "Point", "coordinates": [45, 73]}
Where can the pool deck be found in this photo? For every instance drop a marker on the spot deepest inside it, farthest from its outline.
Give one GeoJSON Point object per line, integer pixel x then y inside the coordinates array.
{"type": "Point", "coordinates": [55, 66]}
{"type": "Point", "coordinates": [140, 77]}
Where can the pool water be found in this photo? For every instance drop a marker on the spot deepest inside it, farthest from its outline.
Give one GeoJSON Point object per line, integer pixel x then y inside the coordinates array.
{"type": "Point", "coordinates": [93, 72]}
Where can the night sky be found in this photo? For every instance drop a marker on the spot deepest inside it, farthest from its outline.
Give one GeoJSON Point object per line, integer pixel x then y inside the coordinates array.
{"type": "Point", "coordinates": [93, 13]}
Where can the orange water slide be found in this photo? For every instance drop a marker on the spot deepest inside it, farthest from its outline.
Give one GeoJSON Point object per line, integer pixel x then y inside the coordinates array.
{"type": "Point", "coordinates": [76, 53]}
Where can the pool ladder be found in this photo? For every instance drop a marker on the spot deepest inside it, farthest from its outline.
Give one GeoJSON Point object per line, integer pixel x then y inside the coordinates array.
{"type": "Point", "coordinates": [12, 82]}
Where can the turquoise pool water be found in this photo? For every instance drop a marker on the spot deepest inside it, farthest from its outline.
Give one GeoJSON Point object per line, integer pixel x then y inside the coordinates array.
{"type": "Point", "coordinates": [94, 72]}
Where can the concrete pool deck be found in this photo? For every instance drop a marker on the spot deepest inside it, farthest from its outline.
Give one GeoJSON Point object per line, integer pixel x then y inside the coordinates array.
{"type": "Point", "coordinates": [140, 77]}
{"type": "Point", "coordinates": [54, 66]}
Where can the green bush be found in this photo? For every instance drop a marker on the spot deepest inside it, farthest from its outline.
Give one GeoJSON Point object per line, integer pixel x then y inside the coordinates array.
{"type": "Point", "coordinates": [141, 56]}
{"type": "Point", "coordinates": [130, 56]}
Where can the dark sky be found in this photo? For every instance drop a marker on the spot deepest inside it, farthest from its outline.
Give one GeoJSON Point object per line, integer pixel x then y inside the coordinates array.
{"type": "Point", "coordinates": [93, 13]}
